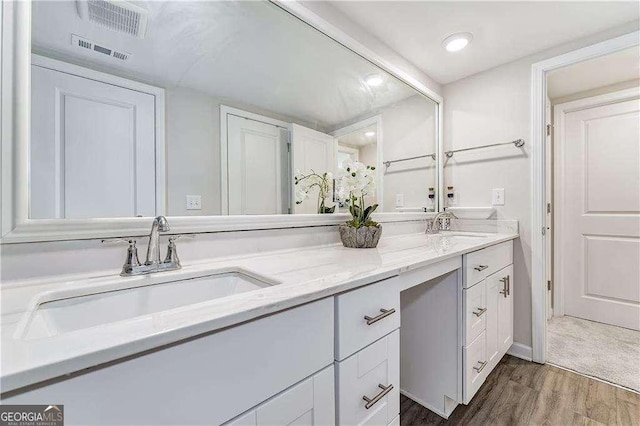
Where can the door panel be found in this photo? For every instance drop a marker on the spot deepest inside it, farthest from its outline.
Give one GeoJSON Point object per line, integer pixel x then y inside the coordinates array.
{"type": "Point", "coordinates": [505, 309]}
{"type": "Point", "coordinates": [92, 149]}
{"type": "Point", "coordinates": [492, 335]}
{"type": "Point", "coordinates": [599, 238]}
{"type": "Point", "coordinates": [255, 166]}
{"type": "Point", "coordinates": [312, 151]}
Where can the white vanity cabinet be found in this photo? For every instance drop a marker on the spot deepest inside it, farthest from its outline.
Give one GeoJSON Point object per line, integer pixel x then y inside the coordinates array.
{"type": "Point", "coordinates": [487, 298]}
{"type": "Point", "coordinates": [213, 378]}
{"type": "Point", "coordinates": [310, 402]}
{"type": "Point", "coordinates": [368, 354]}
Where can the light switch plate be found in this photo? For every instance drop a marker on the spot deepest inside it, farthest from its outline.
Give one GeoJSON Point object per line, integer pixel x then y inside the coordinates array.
{"type": "Point", "coordinates": [194, 202]}
{"type": "Point", "coordinates": [497, 196]}
{"type": "Point", "coordinates": [399, 200]}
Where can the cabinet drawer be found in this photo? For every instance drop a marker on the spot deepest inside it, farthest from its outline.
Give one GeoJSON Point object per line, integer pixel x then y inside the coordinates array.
{"type": "Point", "coordinates": [360, 319]}
{"type": "Point", "coordinates": [475, 311]}
{"type": "Point", "coordinates": [482, 263]}
{"type": "Point", "coordinates": [367, 374]}
{"type": "Point", "coordinates": [476, 366]}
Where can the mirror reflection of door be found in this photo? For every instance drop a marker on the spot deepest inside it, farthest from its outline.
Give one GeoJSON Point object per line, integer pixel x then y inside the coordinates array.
{"type": "Point", "coordinates": [257, 167]}
{"type": "Point", "coordinates": [93, 148]}
{"type": "Point", "coordinates": [313, 152]}
{"type": "Point", "coordinates": [360, 145]}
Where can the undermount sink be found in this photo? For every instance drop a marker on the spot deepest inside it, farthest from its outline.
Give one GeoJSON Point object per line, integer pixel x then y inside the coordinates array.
{"type": "Point", "coordinates": [68, 314]}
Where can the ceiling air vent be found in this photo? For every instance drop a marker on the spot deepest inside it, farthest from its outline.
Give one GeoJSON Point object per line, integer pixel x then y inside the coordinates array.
{"type": "Point", "coordinates": [116, 15]}
{"type": "Point", "coordinates": [88, 45]}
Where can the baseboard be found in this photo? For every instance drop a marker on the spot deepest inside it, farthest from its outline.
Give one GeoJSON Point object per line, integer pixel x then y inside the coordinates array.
{"type": "Point", "coordinates": [521, 351]}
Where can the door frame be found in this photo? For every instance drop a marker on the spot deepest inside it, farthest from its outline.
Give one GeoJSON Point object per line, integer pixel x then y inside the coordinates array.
{"type": "Point", "coordinates": [377, 120]}
{"type": "Point", "coordinates": [539, 265]}
{"type": "Point", "coordinates": [560, 112]}
{"type": "Point", "coordinates": [158, 104]}
{"type": "Point", "coordinates": [226, 111]}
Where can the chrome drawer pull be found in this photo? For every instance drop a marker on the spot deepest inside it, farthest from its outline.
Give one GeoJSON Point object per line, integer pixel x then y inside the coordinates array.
{"type": "Point", "coordinates": [479, 312]}
{"type": "Point", "coordinates": [481, 267]}
{"type": "Point", "coordinates": [372, 401]}
{"type": "Point", "coordinates": [481, 367]}
{"type": "Point", "coordinates": [384, 313]}
{"type": "Point", "coordinates": [505, 286]}
{"type": "Point", "coordinates": [508, 285]}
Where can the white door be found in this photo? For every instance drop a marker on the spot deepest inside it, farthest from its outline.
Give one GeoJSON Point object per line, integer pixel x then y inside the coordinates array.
{"type": "Point", "coordinates": [312, 151]}
{"type": "Point", "coordinates": [598, 195]}
{"type": "Point", "coordinates": [93, 148]}
{"type": "Point", "coordinates": [257, 167]}
{"type": "Point", "coordinates": [549, 218]}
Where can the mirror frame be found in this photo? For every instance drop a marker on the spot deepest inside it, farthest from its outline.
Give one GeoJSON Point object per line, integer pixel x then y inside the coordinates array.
{"type": "Point", "coordinates": [16, 227]}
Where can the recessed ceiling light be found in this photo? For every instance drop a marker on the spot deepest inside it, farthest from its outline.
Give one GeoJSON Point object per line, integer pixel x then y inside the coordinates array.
{"type": "Point", "coordinates": [369, 134]}
{"type": "Point", "coordinates": [374, 80]}
{"type": "Point", "coordinates": [457, 41]}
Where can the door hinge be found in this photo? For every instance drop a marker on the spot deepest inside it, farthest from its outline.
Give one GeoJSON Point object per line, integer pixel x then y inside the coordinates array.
{"type": "Point", "coordinates": [549, 127]}
{"type": "Point", "coordinates": [549, 285]}
{"type": "Point", "coordinates": [548, 207]}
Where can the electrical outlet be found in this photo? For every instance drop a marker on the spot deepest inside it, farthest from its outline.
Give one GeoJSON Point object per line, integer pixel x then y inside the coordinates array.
{"type": "Point", "coordinates": [497, 196]}
{"type": "Point", "coordinates": [194, 202]}
{"type": "Point", "coordinates": [399, 200]}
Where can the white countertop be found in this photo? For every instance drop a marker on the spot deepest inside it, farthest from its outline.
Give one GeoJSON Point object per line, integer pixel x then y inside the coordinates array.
{"type": "Point", "coordinates": [305, 275]}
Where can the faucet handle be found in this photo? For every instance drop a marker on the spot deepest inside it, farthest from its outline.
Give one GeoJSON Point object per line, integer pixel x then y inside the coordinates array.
{"type": "Point", "coordinates": [172, 249]}
{"type": "Point", "coordinates": [131, 260]}
{"type": "Point", "coordinates": [177, 237]}
{"type": "Point", "coordinates": [111, 241]}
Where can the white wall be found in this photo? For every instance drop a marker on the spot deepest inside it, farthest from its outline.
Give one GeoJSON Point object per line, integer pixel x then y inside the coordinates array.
{"type": "Point", "coordinates": [408, 130]}
{"type": "Point", "coordinates": [494, 106]}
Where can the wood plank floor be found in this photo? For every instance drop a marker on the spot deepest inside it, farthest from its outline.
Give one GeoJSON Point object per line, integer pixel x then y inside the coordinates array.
{"type": "Point", "coordinates": [519, 392]}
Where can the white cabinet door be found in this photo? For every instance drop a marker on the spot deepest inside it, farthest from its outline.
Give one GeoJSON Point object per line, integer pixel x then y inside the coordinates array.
{"type": "Point", "coordinates": [505, 309]}
{"type": "Point", "coordinates": [312, 151]}
{"type": "Point", "coordinates": [257, 167]}
{"type": "Point", "coordinates": [93, 149]}
{"type": "Point", "coordinates": [310, 402]}
{"type": "Point", "coordinates": [374, 374]}
{"type": "Point", "coordinates": [493, 346]}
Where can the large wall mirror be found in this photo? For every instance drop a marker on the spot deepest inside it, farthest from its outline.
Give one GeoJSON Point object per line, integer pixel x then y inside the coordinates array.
{"type": "Point", "coordinates": [212, 108]}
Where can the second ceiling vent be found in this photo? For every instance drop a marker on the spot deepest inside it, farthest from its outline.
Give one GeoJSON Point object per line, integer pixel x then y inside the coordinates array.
{"type": "Point", "coordinates": [118, 15]}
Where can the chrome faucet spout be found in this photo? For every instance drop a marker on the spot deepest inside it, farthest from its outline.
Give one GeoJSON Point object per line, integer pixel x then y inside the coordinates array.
{"type": "Point", "coordinates": [160, 224]}
{"type": "Point", "coordinates": [434, 226]}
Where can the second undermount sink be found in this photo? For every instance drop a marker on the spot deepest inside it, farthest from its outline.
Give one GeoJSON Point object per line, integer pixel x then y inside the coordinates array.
{"type": "Point", "coordinates": [69, 314]}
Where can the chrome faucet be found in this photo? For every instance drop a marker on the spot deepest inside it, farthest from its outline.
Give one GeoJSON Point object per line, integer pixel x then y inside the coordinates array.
{"type": "Point", "coordinates": [153, 263]}
{"type": "Point", "coordinates": [160, 224]}
{"type": "Point", "coordinates": [441, 221]}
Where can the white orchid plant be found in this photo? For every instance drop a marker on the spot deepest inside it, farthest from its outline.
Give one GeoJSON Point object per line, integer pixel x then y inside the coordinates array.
{"type": "Point", "coordinates": [355, 182]}
{"type": "Point", "coordinates": [306, 182]}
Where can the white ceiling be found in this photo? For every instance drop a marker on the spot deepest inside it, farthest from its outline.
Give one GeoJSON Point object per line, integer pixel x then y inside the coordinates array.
{"type": "Point", "coordinates": [358, 138]}
{"type": "Point", "coordinates": [503, 31]}
{"type": "Point", "coordinates": [588, 75]}
{"type": "Point", "coordinates": [250, 52]}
